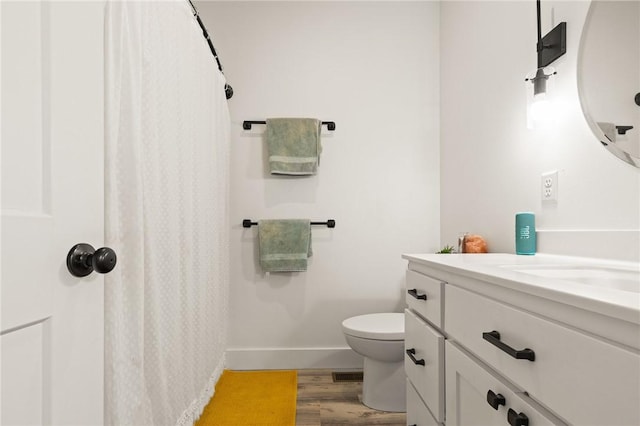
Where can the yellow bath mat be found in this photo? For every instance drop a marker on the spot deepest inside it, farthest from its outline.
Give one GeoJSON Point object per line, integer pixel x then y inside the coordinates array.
{"type": "Point", "coordinates": [252, 398]}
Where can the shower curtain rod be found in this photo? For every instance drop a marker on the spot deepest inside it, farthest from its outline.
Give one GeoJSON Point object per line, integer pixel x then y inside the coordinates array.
{"type": "Point", "coordinates": [228, 90]}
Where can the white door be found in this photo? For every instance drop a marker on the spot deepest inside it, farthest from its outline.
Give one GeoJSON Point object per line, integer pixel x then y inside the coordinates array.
{"type": "Point", "coordinates": [52, 198]}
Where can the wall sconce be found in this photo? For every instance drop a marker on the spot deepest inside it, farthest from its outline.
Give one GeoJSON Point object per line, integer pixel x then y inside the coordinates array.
{"type": "Point", "coordinates": [540, 106]}
{"type": "Point", "coordinates": [540, 110]}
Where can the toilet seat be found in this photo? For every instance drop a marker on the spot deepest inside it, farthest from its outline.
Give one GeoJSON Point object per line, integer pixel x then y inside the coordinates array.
{"type": "Point", "coordinates": [383, 326]}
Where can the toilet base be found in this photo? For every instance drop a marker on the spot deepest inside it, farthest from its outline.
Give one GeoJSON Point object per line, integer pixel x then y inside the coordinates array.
{"type": "Point", "coordinates": [383, 386]}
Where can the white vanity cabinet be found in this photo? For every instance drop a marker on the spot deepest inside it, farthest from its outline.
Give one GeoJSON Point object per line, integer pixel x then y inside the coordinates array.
{"type": "Point", "coordinates": [424, 350]}
{"type": "Point", "coordinates": [521, 350]}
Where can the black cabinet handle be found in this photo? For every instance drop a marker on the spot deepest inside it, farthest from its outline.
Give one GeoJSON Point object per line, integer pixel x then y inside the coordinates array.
{"type": "Point", "coordinates": [495, 400]}
{"type": "Point", "coordinates": [493, 337]}
{"type": "Point", "coordinates": [414, 292]}
{"type": "Point", "coordinates": [411, 352]}
{"type": "Point", "coordinates": [517, 419]}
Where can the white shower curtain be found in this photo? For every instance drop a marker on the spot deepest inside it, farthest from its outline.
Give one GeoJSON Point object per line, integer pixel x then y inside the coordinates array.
{"type": "Point", "coordinates": [166, 173]}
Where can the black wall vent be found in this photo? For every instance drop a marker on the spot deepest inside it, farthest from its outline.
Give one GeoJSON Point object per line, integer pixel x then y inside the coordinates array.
{"type": "Point", "coordinates": [347, 376]}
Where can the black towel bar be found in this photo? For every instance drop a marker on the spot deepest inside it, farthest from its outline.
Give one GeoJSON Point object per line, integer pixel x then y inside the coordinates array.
{"type": "Point", "coordinates": [246, 125]}
{"type": "Point", "coordinates": [247, 223]}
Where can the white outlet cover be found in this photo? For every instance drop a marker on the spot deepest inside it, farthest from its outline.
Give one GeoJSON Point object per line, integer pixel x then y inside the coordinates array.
{"type": "Point", "coordinates": [549, 187]}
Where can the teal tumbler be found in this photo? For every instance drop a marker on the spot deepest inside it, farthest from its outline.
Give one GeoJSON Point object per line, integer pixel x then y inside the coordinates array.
{"type": "Point", "coordinates": [525, 233]}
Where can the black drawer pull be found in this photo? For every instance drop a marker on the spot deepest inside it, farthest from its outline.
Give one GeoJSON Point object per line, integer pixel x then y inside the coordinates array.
{"type": "Point", "coordinates": [411, 352]}
{"type": "Point", "coordinates": [495, 400]}
{"type": "Point", "coordinates": [414, 292]}
{"type": "Point", "coordinates": [493, 337]}
{"type": "Point", "coordinates": [516, 419]}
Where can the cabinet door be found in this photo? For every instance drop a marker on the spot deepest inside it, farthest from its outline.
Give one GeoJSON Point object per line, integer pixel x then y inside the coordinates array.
{"type": "Point", "coordinates": [578, 376]}
{"type": "Point", "coordinates": [417, 412]}
{"type": "Point", "coordinates": [468, 388]}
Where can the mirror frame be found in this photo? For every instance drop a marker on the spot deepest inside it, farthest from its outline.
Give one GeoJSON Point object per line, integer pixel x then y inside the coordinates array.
{"type": "Point", "coordinates": [597, 131]}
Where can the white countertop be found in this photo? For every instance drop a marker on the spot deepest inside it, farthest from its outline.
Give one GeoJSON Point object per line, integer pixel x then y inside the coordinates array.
{"type": "Point", "coordinates": [582, 282]}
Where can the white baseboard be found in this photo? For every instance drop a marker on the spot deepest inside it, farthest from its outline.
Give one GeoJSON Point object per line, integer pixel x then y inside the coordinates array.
{"type": "Point", "coordinates": [292, 358]}
{"type": "Point", "coordinates": [614, 244]}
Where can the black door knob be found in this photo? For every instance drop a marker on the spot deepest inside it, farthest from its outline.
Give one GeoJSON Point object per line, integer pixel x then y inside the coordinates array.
{"type": "Point", "coordinates": [83, 259]}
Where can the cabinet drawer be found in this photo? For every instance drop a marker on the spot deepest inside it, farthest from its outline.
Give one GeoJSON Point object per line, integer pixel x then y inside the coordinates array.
{"type": "Point", "coordinates": [424, 296]}
{"type": "Point", "coordinates": [584, 380]}
{"type": "Point", "coordinates": [417, 412]}
{"type": "Point", "coordinates": [426, 369]}
{"type": "Point", "coordinates": [468, 388]}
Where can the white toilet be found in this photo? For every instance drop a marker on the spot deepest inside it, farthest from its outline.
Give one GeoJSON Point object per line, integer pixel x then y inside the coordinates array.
{"type": "Point", "coordinates": [379, 338]}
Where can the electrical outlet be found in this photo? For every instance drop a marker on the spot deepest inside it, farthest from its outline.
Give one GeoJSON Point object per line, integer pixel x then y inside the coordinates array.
{"type": "Point", "coordinates": [549, 186]}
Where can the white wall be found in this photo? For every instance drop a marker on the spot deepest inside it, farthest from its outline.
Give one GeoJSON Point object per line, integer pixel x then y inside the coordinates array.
{"type": "Point", "coordinates": [373, 68]}
{"type": "Point", "coordinates": [491, 164]}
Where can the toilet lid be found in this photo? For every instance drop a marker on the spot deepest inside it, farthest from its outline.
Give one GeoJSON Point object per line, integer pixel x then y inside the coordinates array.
{"type": "Point", "coordinates": [385, 326]}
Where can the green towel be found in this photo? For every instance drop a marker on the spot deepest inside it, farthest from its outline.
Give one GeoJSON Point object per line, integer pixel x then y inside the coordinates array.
{"type": "Point", "coordinates": [285, 245]}
{"type": "Point", "coordinates": [294, 145]}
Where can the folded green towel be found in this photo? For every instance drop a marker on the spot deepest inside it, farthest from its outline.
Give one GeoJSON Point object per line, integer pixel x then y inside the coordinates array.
{"type": "Point", "coordinates": [285, 245]}
{"type": "Point", "coordinates": [294, 145]}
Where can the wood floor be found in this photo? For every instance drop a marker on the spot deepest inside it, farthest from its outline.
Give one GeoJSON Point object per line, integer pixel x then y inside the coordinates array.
{"type": "Point", "coordinates": [321, 402]}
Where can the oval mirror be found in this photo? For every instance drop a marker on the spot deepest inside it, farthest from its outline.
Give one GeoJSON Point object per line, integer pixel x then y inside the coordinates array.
{"type": "Point", "coordinates": [609, 76]}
